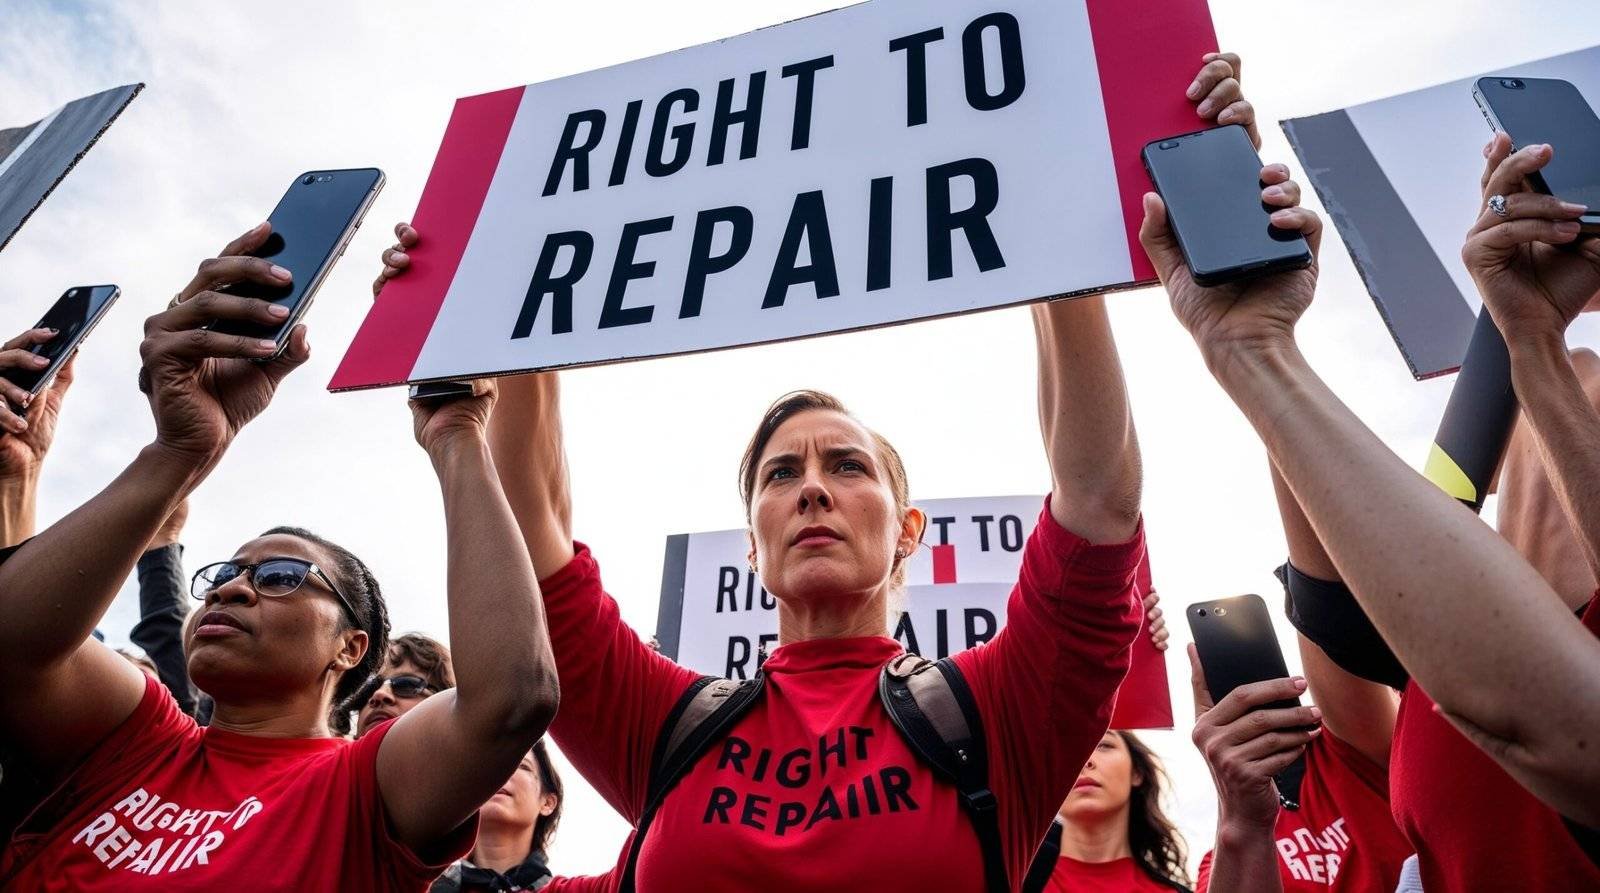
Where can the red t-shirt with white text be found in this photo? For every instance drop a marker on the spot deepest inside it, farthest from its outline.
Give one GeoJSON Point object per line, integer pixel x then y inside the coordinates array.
{"type": "Point", "coordinates": [814, 787]}
{"type": "Point", "coordinates": [1117, 876]}
{"type": "Point", "coordinates": [1342, 838]}
{"type": "Point", "coordinates": [1474, 827]}
{"type": "Point", "coordinates": [165, 805]}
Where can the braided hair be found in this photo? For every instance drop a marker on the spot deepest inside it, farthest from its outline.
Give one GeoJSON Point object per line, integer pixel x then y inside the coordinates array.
{"type": "Point", "coordinates": [358, 584]}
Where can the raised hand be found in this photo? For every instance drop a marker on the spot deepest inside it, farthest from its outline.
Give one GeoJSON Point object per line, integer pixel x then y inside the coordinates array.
{"type": "Point", "coordinates": [395, 258]}
{"type": "Point", "coordinates": [205, 386]}
{"type": "Point", "coordinates": [1250, 314]}
{"type": "Point", "coordinates": [1245, 745]}
{"type": "Point", "coordinates": [440, 424]}
{"type": "Point", "coordinates": [1219, 96]}
{"type": "Point", "coordinates": [25, 440]}
{"type": "Point", "coordinates": [1534, 270]}
{"type": "Point", "coordinates": [1154, 623]}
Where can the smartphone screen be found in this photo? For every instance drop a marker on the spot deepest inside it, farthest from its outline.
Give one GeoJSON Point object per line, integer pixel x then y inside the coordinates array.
{"type": "Point", "coordinates": [1545, 110]}
{"type": "Point", "coordinates": [1211, 183]}
{"type": "Point", "coordinates": [72, 316]}
{"type": "Point", "coordinates": [1237, 645]}
{"type": "Point", "coordinates": [310, 227]}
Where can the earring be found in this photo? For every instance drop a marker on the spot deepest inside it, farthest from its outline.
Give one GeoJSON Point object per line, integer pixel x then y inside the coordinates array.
{"type": "Point", "coordinates": [753, 568]}
{"type": "Point", "coordinates": [899, 555]}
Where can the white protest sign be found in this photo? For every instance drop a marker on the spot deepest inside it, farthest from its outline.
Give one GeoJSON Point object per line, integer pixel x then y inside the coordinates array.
{"type": "Point", "coordinates": [716, 618]}
{"type": "Point", "coordinates": [886, 162]}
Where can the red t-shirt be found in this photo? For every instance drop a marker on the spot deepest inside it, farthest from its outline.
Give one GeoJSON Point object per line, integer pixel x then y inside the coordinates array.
{"type": "Point", "coordinates": [1473, 826]}
{"type": "Point", "coordinates": [1117, 876]}
{"type": "Point", "coordinates": [165, 805]}
{"type": "Point", "coordinates": [1342, 836]}
{"type": "Point", "coordinates": [810, 785]}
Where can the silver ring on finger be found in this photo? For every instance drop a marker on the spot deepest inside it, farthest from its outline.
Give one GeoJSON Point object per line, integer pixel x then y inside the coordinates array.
{"type": "Point", "coordinates": [1497, 204]}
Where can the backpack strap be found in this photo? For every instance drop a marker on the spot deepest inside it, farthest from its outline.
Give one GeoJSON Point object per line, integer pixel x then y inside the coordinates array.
{"type": "Point", "coordinates": [935, 712]}
{"type": "Point", "coordinates": [705, 712]}
{"type": "Point", "coordinates": [1044, 861]}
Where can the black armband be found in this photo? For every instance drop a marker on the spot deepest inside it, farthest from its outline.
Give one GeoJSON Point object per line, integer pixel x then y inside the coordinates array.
{"type": "Point", "coordinates": [1327, 613]}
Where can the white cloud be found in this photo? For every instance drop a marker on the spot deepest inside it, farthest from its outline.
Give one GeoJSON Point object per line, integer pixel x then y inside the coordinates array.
{"type": "Point", "coordinates": [244, 96]}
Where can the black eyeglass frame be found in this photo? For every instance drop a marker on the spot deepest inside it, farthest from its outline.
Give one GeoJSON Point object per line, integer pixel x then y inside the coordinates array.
{"type": "Point", "coordinates": [249, 570]}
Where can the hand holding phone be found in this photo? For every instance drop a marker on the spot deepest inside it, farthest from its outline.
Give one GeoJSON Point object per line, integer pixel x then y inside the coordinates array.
{"type": "Point", "coordinates": [51, 343]}
{"type": "Point", "coordinates": [1210, 182]}
{"type": "Point", "coordinates": [1549, 111]}
{"type": "Point", "coordinates": [311, 227]}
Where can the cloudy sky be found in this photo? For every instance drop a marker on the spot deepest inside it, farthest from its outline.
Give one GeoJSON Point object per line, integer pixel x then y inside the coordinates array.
{"type": "Point", "coordinates": [242, 97]}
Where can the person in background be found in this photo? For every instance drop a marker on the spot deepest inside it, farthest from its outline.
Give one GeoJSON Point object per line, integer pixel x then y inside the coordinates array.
{"type": "Point", "coordinates": [1112, 834]}
{"type": "Point", "coordinates": [1430, 576]}
{"type": "Point", "coordinates": [1323, 822]}
{"type": "Point", "coordinates": [515, 829]}
{"type": "Point", "coordinates": [416, 667]}
{"type": "Point", "coordinates": [24, 443]}
{"type": "Point", "coordinates": [163, 608]}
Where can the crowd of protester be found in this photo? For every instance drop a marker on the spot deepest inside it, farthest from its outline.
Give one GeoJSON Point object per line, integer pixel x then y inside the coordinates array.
{"type": "Point", "coordinates": [1451, 670]}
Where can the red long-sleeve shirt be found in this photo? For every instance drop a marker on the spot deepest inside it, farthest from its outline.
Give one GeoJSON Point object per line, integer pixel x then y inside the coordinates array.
{"type": "Point", "coordinates": [814, 785]}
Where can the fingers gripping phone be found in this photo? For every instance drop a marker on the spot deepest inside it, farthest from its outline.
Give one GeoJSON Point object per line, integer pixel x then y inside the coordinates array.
{"type": "Point", "coordinates": [74, 315]}
{"type": "Point", "coordinates": [311, 227]}
{"type": "Point", "coordinates": [1211, 184]}
{"type": "Point", "coordinates": [1534, 111]}
{"type": "Point", "coordinates": [1237, 645]}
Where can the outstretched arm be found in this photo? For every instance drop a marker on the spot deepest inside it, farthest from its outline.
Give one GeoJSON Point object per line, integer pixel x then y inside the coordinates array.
{"type": "Point", "coordinates": [442, 760]}
{"type": "Point", "coordinates": [1425, 569]}
{"type": "Point", "coordinates": [25, 441]}
{"type": "Point", "coordinates": [68, 691]}
{"type": "Point", "coordinates": [1358, 712]}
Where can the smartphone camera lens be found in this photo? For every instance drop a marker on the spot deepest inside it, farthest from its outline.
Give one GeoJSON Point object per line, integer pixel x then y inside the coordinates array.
{"type": "Point", "coordinates": [1201, 612]}
{"type": "Point", "coordinates": [309, 180]}
{"type": "Point", "coordinates": [1511, 83]}
{"type": "Point", "coordinates": [1170, 144]}
{"type": "Point", "coordinates": [1222, 612]}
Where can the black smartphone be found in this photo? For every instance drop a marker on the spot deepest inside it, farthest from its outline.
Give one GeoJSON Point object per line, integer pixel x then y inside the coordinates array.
{"type": "Point", "coordinates": [441, 390]}
{"type": "Point", "coordinates": [1237, 645]}
{"type": "Point", "coordinates": [1549, 111]}
{"type": "Point", "coordinates": [74, 315]}
{"type": "Point", "coordinates": [311, 226]}
{"type": "Point", "coordinates": [1211, 183]}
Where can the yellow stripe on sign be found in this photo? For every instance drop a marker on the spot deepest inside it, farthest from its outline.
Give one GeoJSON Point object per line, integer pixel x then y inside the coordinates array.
{"type": "Point", "coordinates": [1448, 476]}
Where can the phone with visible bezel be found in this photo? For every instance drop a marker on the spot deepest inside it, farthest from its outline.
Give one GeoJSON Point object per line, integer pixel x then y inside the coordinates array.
{"type": "Point", "coordinates": [1237, 645]}
{"type": "Point", "coordinates": [1211, 183]}
{"type": "Point", "coordinates": [311, 227]}
{"type": "Point", "coordinates": [1549, 111]}
{"type": "Point", "coordinates": [74, 315]}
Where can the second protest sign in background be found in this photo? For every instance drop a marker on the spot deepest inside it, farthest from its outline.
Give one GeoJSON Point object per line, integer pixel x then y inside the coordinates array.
{"type": "Point", "coordinates": [886, 162]}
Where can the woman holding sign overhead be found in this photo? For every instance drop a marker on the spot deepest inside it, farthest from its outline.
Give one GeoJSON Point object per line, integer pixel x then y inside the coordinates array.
{"type": "Point", "coordinates": [822, 769]}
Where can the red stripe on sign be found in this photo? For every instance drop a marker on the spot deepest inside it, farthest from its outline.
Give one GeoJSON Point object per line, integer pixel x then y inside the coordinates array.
{"type": "Point", "coordinates": [1148, 52]}
{"type": "Point", "coordinates": [944, 563]}
{"type": "Point", "coordinates": [391, 337]}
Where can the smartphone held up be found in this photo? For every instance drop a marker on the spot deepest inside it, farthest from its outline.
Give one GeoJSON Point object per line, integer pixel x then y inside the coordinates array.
{"type": "Point", "coordinates": [311, 227]}
{"type": "Point", "coordinates": [1211, 184]}
{"type": "Point", "coordinates": [1549, 111]}
{"type": "Point", "coordinates": [72, 317]}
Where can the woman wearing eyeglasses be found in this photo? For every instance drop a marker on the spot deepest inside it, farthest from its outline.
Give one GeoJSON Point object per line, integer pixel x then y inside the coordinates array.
{"type": "Point", "coordinates": [417, 666]}
{"type": "Point", "coordinates": [265, 798]}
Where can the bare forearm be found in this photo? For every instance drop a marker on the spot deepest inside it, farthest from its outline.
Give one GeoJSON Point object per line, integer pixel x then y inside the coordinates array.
{"type": "Point", "coordinates": [1245, 860]}
{"type": "Point", "coordinates": [1083, 415]}
{"type": "Point", "coordinates": [56, 588]}
{"type": "Point", "coordinates": [18, 498]}
{"type": "Point", "coordinates": [1425, 569]}
{"type": "Point", "coordinates": [505, 675]}
{"type": "Point", "coordinates": [1305, 550]}
{"type": "Point", "coordinates": [1567, 428]}
{"type": "Point", "coordinates": [526, 441]}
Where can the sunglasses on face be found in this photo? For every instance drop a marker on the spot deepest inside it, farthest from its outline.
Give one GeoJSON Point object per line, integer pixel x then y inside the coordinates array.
{"type": "Point", "coordinates": [404, 686]}
{"type": "Point", "coordinates": [273, 578]}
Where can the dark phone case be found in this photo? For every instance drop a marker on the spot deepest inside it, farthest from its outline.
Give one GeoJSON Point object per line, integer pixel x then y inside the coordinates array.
{"type": "Point", "coordinates": [441, 390]}
{"type": "Point", "coordinates": [1249, 268]}
{"type": "Point", "coordinates": [1550, 110]}
{"type": "Point", "coordinates": [1238, 646]}
{"type": "Point", "coordinates": [74, 332]}
{"type": "Point", "coordinates": [326, 246]}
